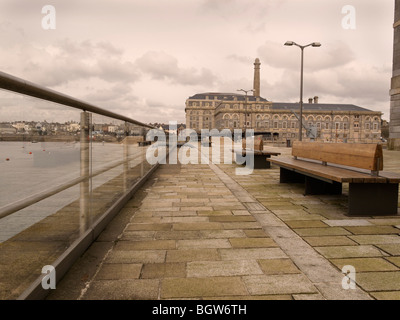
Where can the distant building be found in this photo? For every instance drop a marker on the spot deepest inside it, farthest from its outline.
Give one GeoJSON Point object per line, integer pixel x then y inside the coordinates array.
{"type": "Point", "coordinates": [276, 121]}
{"type": "Point", "coordinates": [394, 129]}
{"type": "Point", "coordinates": [6, 128]}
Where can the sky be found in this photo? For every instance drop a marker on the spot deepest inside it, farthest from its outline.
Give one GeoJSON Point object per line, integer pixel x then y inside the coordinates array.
{"type": "Point", "coordinates": [144, 58]}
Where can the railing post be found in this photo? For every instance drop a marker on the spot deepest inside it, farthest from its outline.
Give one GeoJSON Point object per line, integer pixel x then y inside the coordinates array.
{"type": "Point", "coordinates": [126, 155]}
{"type": "Point", "coordinates": [85, 171]}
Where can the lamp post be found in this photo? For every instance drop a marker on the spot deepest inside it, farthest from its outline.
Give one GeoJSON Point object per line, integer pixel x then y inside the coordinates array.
{"type": "Point", "coordinates": [245, 107]}
{"type": "Point", "coordinates": [314, 44]}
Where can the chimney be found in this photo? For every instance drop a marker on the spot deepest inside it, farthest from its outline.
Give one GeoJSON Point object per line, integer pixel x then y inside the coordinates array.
{"type": "Point", "coordinates": [256, 85]}
{"type": "Point", "coordinates": [315, 99]}
{"type": "Point", "coordinates": [309, 100]}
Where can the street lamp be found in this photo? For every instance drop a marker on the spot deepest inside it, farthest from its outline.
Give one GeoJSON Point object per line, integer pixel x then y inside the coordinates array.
{"type": "Point", "coordinates": [245, 107]}
{"type": "Point", "coordinates": [314, 44]}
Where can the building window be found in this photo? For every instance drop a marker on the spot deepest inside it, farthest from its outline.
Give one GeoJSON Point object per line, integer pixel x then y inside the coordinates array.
{"type": "Point", "coordinates": [293, 124]}
{"type": "Point", "coordinates": [345, 126]}
{"type": "Point", "coordinates": [375, 126]}
{"type": "Point", "coordinates": [356, 125]}
{"type": "Point", "coordinates": [327, 125]}
{"type": "Point", "coordinates": [275, 124]}
{"type": "Point", "coordinates": [284, 125]}
{"type": "Point", "coordinates": [367, 126]}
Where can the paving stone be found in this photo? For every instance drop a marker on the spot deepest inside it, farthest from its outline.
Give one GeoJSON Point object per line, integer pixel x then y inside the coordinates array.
{"type": "Point", "coordinates": [252, 253]}
{"type": "Point", "coordinates": [148, 226]}
{"type": "Point", "coordinates": [222, 268]}
{"type": "Point", "coordinates": [385, 221]}
{"type": "Point", "coordinates": [390, 248]}
{"type": "Point", "coordinates": [186, 255]}
{"type": "Point", "coordinates": [332, 231]}
{"type": "Point", "coordinates": [394, 260]}
{"type": "Point", "coordinates": [119, 271]}
{"type": "Point", "coordinates": [142, 256]}
{"type": "Point", "coordinates": [279, 284]}
{"type": "Point", "coordinates": [386, 295]}
{"type": "Point", "coordinates": [200, 287]}
{"type": "Point", "coordinates": [163, 270]}
{"type": "Point", "coordinates": [214, 213]}
{"type": "Point", "coordinates": [268, 219]}
{"type": "Point", "coordinates": [185, 213]}
{"type": "Point", "coordinates": [145, 245]}
{"type": "Point", "coordinates": [137, 235]}
{"type": "Point", "coordinates": [306, 224]}
{"type": "Point", "coordinates": [197, 226]}
{"type": "Point", "coordinates": [203, 243]}
{"type": "Point", "coordinates": [381, 230]}
{"type": "Point", "coordinates": [278, 266]}
{"type": "Point", "coordinates": [241, 225]}
{"type": "Point", "coordinates": [232, 218]}
{"type": "Point", "coordinates": [299, 216]}
{"type": "Point", "coordinates": [177, 235]}
{"type": "Point", "coordinates": [379, 281]}
{"type": "Point", "coordinates": [252, 242]}
{"type": "Point", "coordinates": [255, 233]}
{"type": "Point", "coordinates": [365, 264]}
{"type": "Point", "coordinates": [347, 222]}
{"type": "Point", "coordinates": [308, 296]}
{"type": "Point", "coordinates": [183, 219]}
{"type": "Point", "coordinates": [222, 234]}
{"type": "Point", "coordinates": [241, 213]}
{"type": "Point", "coordinates": [349, 251]}
{"type": "Point", "coordinates": [140, 289]}
{"type": "Point", "coordinates": [329, 241]}
{"type": "Point", "coordinates": [335, 291]}
{"type": "Point", "coordinates": [376, 239]}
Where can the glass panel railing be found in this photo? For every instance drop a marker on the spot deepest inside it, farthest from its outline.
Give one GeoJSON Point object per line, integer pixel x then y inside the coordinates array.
{"type": "Point", "coordinates": [61, 170]}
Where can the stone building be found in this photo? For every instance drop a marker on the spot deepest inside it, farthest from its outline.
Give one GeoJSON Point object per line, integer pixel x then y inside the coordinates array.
{"type": "Point", "coordinates": [394, 129]}
{"type": "Point", "coordinates": [277, 121]}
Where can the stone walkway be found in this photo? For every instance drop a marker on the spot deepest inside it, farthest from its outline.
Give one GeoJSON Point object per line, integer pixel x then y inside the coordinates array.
{"type": "Point", "coordinates": [202, 232]}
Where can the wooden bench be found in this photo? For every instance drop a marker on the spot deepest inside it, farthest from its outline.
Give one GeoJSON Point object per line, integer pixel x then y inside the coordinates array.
{"type": "Point", "coordinates": [324, 167]}
{"type": "Point", "coordinates": [260, 156]}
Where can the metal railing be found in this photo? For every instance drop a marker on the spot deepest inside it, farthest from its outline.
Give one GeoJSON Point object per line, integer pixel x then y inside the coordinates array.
{"type": "Point", "coordinates": [88, 229]}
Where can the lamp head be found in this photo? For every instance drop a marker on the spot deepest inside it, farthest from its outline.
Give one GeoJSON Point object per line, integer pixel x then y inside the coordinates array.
{"type": "Point", "coordinates": [316, 44]}
{"type": "Point", "coordinates": [289, 43]}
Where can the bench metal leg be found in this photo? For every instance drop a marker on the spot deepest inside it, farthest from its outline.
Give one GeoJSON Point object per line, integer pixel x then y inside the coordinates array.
{"type": "Point", "coordinates": [288, 176]}
{"type": "Point", "coordinates": [260, 162]}
{"type": "Point", "coordinates": [377, 199]}
{"type": "Point", "coordinates": [316, 186]}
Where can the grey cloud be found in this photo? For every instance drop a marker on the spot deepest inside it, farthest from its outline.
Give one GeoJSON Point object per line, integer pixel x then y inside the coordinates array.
{"type": "Point", "coordinates": [68, 61]}
{"type": "Point", "coordinates": [162, 66]}
{"type": "Point", "coordinates": [331, 55]}
{"type": "Point", "coordinates": [241, 59]}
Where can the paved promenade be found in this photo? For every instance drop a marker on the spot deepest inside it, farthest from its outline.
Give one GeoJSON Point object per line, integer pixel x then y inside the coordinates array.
{"type": "Point", "coordinates": [202, 232]}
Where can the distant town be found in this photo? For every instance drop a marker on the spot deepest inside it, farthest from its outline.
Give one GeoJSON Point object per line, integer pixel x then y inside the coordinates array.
{"type": "Point", "coordinates": [26, 130]}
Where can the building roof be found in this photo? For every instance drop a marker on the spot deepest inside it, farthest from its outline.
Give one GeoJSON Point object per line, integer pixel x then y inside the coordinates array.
{"type": "Point", "coordinates": [225, 96]}
{"type": "Point", "coordinates": [317, 106]}
{"type": "Point", "coordinates": [281, 105]}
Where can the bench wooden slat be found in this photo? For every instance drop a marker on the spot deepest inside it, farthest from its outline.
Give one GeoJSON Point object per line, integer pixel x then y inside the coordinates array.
{"type": "Point", "coordinates": [257, 153]}
{"type": "Point", "coordinates": [333, 173]}
{"type": "Point", "coordinates": [365, 156]}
